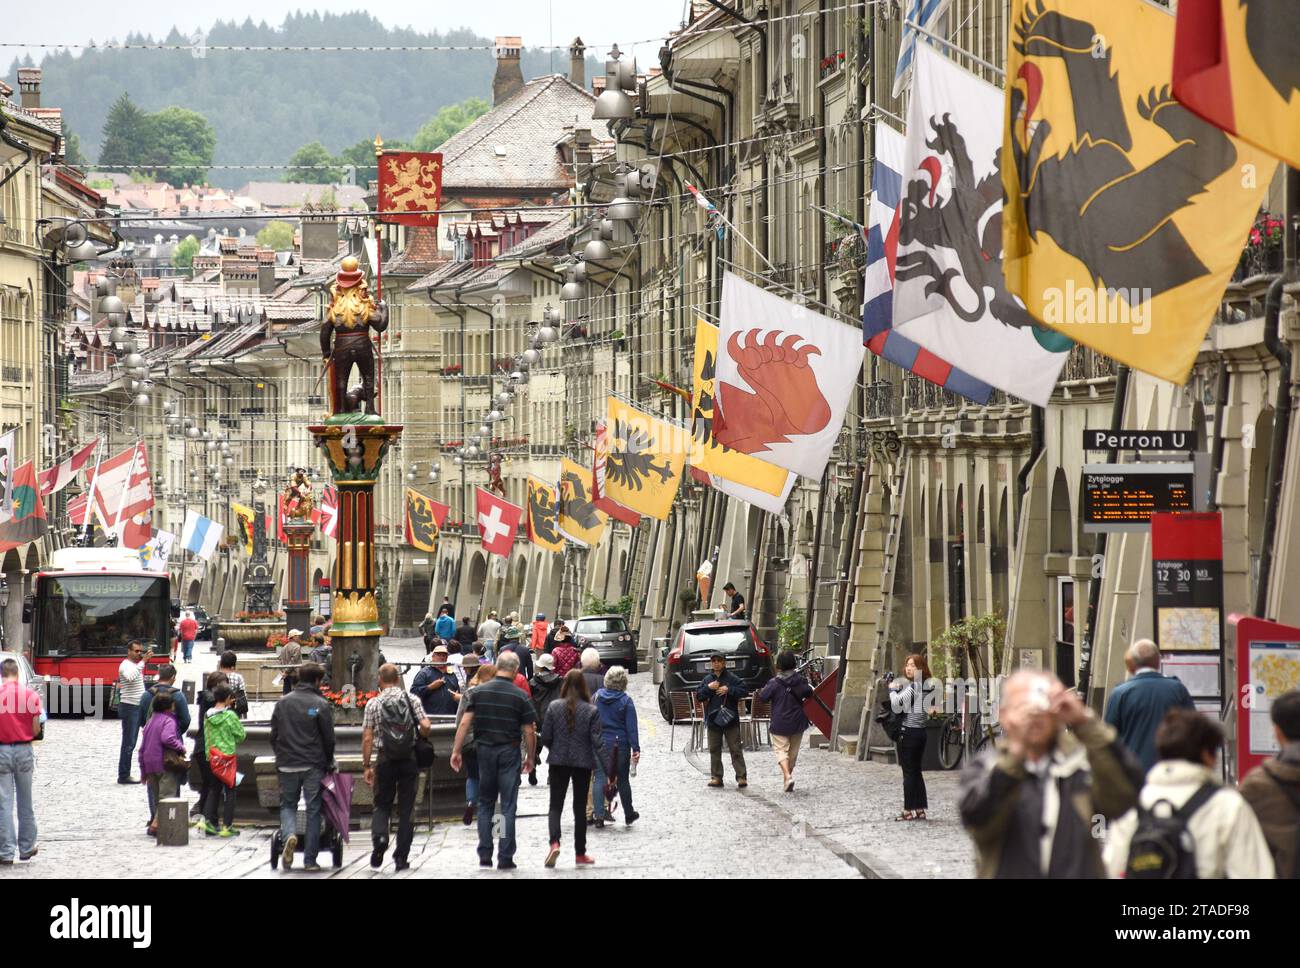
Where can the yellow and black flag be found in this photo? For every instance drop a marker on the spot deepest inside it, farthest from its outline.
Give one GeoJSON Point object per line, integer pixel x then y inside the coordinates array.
{"type": "Point", "coordinates": [1237, 64]}
{"type": "Point", "coordinates": [543, 516]}
{"type": "Point", "coordinates": [424, 516]}
{"type": "Point", "coordinates": [244, 517]}
{"type": "Point", "coordinates": [580, 521]}
{"type": "Point", "coordinates": [1126, 213]}
{"type": "Point", "coordinates": [646, 456]}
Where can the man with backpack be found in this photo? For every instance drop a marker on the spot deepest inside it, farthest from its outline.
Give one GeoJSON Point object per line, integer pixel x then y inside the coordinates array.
{"type": "Point", "coordinates": [388, 731]}
{"type": "Point", "coordinates": [1273, 788]}
{"type": "Point", "coordinates": [1031, 803]}
{"type": "Point", "coordinates": [1186, 825]}
{"type": "Point", "coordinates": [166, 685]}
{"type": "Point", "coordinates": [302, 739]}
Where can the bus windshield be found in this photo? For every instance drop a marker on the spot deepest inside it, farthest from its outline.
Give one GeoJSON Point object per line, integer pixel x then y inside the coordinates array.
{"type": "Point", "coordinates": [100, 614]}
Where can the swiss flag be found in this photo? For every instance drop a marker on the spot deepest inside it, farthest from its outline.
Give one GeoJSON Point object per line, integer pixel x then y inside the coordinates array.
{"type": "Point", "coordinates": [124, 496]}
{"type": "Point", "coordinates": [497, 522]}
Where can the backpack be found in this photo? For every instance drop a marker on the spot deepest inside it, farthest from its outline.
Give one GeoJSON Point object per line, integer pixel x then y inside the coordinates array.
{"type": "Point", "coordinates": [396, 727]}
{"type": "Point", "coordinates": [1162, 848]}
{"type": "Point", "coordinates": [890, 721]}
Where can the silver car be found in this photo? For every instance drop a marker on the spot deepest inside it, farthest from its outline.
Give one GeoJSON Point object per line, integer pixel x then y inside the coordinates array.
{"type": "Point", "coordinates": [27, 675]}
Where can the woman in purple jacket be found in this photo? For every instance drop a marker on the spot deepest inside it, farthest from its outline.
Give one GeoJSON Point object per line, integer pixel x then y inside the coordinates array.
{"type": "Point", "coordinates": [159, 736]}
{"type": "Point", "coordinates": [786, 691]}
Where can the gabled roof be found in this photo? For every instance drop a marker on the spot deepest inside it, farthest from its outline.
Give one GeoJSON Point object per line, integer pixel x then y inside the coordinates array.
{"type": "Point", "coordinates": [527, 126]}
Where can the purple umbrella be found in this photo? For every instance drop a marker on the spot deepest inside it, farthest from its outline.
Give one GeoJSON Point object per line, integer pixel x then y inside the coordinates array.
{"type": "Point", "coordinates": [336, 801]}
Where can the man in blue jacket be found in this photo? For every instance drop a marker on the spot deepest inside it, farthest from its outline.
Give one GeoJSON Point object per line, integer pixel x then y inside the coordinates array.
{"type": "Point", "coordinates": [1137, 706]}
{"type": "Point", "coordinates": [721, 692]}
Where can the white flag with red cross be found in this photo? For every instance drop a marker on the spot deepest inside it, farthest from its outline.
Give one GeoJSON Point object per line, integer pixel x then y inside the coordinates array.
{"type": "Point", "coordinates": [498, 521]}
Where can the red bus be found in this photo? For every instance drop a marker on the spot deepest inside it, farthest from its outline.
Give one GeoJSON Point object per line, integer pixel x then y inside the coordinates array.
{"type": "Point", "coordinates": [87, 604]}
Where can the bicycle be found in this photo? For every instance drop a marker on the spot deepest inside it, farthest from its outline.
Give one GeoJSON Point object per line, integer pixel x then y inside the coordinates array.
{"type": "Point", "coordinates": [812, 667]}
{"type": "Point", "coordinates": [964, 732]}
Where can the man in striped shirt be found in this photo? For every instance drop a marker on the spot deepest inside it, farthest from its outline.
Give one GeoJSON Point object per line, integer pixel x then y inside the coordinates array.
{"type": "Point", "coordinates": [502, 716]}
{"type": "Point", "coordinates": [130, 684]}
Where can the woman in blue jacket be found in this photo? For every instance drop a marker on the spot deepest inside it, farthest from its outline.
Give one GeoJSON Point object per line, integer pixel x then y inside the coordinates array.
{"type": "Point", "coordinates": [786, 691]}
{"type": "Point", "coordinates": [622, 744]}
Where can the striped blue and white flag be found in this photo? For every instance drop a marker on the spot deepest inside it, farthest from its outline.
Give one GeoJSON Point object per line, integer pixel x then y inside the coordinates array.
{"type": "Point", "coordinates": [200, 535]}
{"type": "Point", "coordinates": [882, 250]}
{"type": "Point", "coordinates": [927, 14]}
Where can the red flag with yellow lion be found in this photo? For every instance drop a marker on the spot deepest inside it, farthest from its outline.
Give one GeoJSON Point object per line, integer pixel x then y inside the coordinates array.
{"type": "Point", "coordinates": [410, 187]}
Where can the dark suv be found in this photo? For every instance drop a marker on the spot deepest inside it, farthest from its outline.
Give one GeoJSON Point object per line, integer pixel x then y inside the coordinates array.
{"type": "Point", "coordinates": [688, 659]}
{"type": "Point", "coordinates": [610, 636]}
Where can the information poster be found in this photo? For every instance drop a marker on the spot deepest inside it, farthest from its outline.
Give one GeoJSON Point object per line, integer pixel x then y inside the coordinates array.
{"type": "Point", "coordinates": [1274, 668]}
{"type": "Point", "coordinates": [1187, 578]}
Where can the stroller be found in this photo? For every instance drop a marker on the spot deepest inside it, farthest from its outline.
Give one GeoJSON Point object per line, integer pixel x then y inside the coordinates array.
{"type": "Point", "coordinates": [336, 808]}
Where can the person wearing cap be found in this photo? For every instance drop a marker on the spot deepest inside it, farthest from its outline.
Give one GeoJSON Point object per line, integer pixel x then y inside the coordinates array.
{"type": "Point", "coordinates": [721, 692]}
{"type": "Point", "coordinates": [436, 685]}
{"type": "Point", "coordinates": [290, 654]}
{"type": "Point", "coordinates": [545, 685]}
{"type": "Point", "coordinates": [521, 650]}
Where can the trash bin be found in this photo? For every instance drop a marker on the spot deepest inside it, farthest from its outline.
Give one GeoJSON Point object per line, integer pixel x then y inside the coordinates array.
{"type": "Point", "coordinates": [659, 650]}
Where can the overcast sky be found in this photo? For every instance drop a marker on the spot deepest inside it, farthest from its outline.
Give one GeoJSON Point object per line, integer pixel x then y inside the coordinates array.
{"type": "Point", "coordinates": [598, 22]}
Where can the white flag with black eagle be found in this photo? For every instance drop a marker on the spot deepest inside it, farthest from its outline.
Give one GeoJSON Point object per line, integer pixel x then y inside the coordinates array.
{"type": "Point", "coordinates": [950, 296]}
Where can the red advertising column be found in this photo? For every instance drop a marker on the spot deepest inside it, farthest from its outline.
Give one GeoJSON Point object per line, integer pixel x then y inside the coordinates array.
{"type": "Point", "coordinates": [1268, 664]}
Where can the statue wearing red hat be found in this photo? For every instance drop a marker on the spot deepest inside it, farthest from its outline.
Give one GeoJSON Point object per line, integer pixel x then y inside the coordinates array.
{"type": "Point", "coordinates": [351, 314]}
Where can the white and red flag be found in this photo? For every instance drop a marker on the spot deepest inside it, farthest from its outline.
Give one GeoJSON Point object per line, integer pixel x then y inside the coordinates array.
{"type": "Point", "coordinates": [124, 496]}
{"type": "Point", "coordinates": [329, 511]}
{"type": "Point", "coordinates": [785, 375]}
{"type": "Point", "coordinates": [598, 466]}
{"type": "Point", "coordinates": [60, 476]}
{"type": "Point", "coordinates": [498, 521]}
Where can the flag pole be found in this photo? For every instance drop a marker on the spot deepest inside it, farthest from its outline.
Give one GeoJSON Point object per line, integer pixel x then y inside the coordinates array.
{"type": "Point", "coordinates": [90, 494]}
{"type": "Point", "coordinates": [953, 47]}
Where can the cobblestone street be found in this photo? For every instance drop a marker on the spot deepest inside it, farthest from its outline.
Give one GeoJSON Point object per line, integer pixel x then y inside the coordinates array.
{"type": "Point", "coordinates": [837, 823]}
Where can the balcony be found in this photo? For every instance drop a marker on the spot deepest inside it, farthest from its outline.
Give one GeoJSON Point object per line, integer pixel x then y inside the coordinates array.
{"type": "Point", "coordinates": [1262, 255]}
{"type": "Point", "coordinates": [921, 394]}
{"type": "Point", "coordinates": [882, 401]}
{"type": "Point", "coordinates": [1086, 363]}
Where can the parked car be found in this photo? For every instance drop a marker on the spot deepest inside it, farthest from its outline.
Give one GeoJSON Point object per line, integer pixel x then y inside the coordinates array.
{"type": "Point", "coordinates": [687, 663]}
{"type": "Point", "coordinates": [205, 621]}
{"type": "Point", "coordinates": [610, 636]}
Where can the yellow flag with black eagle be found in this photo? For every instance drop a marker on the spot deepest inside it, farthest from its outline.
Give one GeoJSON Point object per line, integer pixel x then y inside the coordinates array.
{"type": "Point", "coordinates": [1126, 213]}
{"type": "Point", "coordinates": [645, 460]}
{"type": "Point", "coordinates": [543, 516]}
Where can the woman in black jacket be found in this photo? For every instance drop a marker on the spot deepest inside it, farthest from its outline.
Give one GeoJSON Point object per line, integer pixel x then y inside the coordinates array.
{"type": "Point", "coordinates": [786, 691]}
{"type": "Point", "coordinates": [572, 734]}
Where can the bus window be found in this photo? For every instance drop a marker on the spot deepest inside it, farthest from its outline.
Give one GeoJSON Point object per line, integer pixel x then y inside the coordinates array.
{"type": "Point", "coordinates": [99, 614]}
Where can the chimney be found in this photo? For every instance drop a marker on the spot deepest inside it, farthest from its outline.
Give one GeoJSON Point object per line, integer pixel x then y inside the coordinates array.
{"type": "Point", "coordinates": [509, 79]}
{"type": "Point", "coordinates": [320, 237]}
{"type": "Point", "coordinates": [29, 84]}
{"type": "Point", "coordinates": [578, 62]}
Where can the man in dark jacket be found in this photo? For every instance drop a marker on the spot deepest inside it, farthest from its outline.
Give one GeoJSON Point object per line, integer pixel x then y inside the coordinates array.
{"type": "Point", "coordinates": [436, 685]}
{"type": "Point", "coordinates": [1273, 788]}
{"type": "Point", "coordinates": [302, 738]}
{"type": "Point", "coordinates": [1031, 804]}
{"type": "Point", "coordinates": [723, 690]}
{"type": "Point", "coordinates": [521, 650]}
{"type": "Point", "coordinates": [1137, 707]}
{"type": "Point", "coordinates": [466, 635]}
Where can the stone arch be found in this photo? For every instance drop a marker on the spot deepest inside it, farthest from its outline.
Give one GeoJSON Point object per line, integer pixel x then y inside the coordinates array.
{"type": "Point", "coordinates": [980, 525]}
{"type": "Point", "coordinates": [622, 567]}
{"type": "Point", "coordinates": [413, 589]}
{"type": "Point", "coordinates": [193, 592]}
{"type": "Point", "coordinates": [999, 554]}
{"type": "Point", "coordinates": [1060, 531]}
{"type": "Point", "coordinates": [553, 574]}
{"type": "Point", "coordinates": [521, 576]}
{"type": "Point", "coordinates": [936, 515]}
{"type": "Point", "coordinates": [477, 575]}
{"type": "Point", "coordinates": [317, 577]}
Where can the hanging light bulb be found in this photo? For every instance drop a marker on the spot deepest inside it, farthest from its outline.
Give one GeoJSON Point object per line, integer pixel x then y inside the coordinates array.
{"type": "Point", "coordinates": [532, 357]}
{"type": "Point", "coordinates": [471, 451]}
{"type": "Point", "coordinates": [485, 431]}
{"type": "Point", "coordinates": [133, 361]}
{"type": "Point", "coordinates": [193, 433]}
{"type": "Point", "coordinates": [134, 385]}
{"type": "Point", "coordinates": [433, 474]}
{"type": "Point", "coordinates": [229, 461]}
{"type": "Point", "coordinates": [142, 399]}
{"type": "Point", "coordinates": [548, 334]}
{"type": "Point", "coordinates": [118, 334]}
{"type": "Point", "coordinates": [494, 415]}
{"type": "Point", "coordinates": [410, 476]}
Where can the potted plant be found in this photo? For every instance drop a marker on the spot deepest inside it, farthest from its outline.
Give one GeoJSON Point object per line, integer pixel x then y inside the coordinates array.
{"type": "Point", "coordinates": [789, 626]}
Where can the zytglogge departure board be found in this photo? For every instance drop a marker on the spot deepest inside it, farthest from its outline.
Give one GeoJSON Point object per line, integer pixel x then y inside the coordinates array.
{"type": "Point", "coordinates": [1122, 497]}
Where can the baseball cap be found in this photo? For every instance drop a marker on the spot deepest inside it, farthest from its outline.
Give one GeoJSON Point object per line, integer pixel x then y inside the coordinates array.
{"type": "Point", "coordinates": [545, 661]}
{"type": "Point", "coordinates": [294, 633]}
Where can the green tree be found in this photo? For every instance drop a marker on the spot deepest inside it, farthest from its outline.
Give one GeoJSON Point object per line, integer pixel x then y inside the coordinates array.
{"type": "Point", "coordinates": [72, 148]}
{"type": "Point", "coordinates": [181, 140]}
{"type": "Point", "coordinates": [361, 156]}
{"type": "Point", "coordinates": [124, 131]}
{"type": "Point", "coordinates": [312, 164]}
{"type": "Point", "coordinates": [447, 122]}
{"type": "Point", "coordinates": [277, 236]}
{"type": "Point", "coordinates": [183, 254]}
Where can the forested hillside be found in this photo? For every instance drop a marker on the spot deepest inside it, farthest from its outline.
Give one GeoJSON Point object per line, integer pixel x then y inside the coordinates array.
{"type": "Point", "coordinates": [265, 105]}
